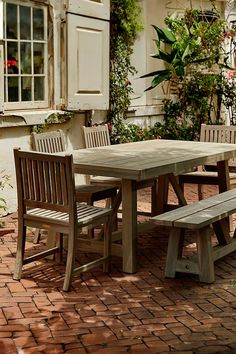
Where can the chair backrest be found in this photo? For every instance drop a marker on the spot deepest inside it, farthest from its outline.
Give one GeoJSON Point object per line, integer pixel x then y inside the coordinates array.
{"type": "Point", "coordinates": [44, 181]}
{"type": "Point", "coordinates": [219, 134]}
{"type": "Point", "coordinates": [49, 142]}
{"type": "Point", "coordinates": [96, 136]}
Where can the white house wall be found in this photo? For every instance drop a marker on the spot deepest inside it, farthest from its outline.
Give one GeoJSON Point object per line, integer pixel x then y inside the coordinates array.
{"type": "Point", "coordinates": [15, 127]}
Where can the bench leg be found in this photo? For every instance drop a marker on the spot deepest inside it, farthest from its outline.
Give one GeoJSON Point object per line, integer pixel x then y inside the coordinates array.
{"type": "Point", "coordinates": [205, 256]}
{"type": "Point", "coordinates": [174, 251]}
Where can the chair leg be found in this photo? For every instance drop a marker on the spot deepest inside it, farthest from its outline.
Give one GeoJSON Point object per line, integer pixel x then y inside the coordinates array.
{"type": "Point", "coordinates": [20, 250]}
{"type": "Point", "coordinates": [200, 191]}
{"type": "Point", "coordinates": [37, 235]}
{"type": "Point", "coordinates": [59, 243]}
{"type": "Point", "coordinates": [70, 261]}
{"type": "Point", "coordinates": [107, 246]}
{"type": "Point", "coordinates": [90, 231]}
{"type": "Point", "coordinates": [154, 199]}
{"type": "Point", "coordinates": [114, 204]}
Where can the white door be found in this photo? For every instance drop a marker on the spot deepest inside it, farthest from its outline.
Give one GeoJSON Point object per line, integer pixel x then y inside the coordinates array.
{"type": "Point", "coordinates": [94, 8]}
{"type": "Point", "coordinates": [87, 63]}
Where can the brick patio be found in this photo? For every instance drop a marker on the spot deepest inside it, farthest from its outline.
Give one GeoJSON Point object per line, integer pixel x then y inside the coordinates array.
{"type": "Point", "coordinates": [116, 313]}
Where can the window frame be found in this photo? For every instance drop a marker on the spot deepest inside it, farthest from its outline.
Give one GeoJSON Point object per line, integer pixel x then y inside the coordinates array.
{"type": "Point", "coordinates": [19, 105]}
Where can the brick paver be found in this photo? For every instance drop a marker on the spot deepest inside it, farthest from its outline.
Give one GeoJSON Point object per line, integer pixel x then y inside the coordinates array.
{"type": "Point", "coordinates": [116, 313]}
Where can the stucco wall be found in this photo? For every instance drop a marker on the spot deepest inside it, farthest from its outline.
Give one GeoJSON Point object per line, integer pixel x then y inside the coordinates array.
{"type": "Point", "coordinates": [11, 137]}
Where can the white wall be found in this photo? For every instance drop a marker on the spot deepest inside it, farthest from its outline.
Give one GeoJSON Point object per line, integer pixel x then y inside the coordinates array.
{"type": "Point", "coordinates": [20, 137]}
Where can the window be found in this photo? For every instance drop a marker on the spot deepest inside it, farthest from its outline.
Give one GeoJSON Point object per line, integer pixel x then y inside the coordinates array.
{"type": "Point", "coordinates": [25, 55]}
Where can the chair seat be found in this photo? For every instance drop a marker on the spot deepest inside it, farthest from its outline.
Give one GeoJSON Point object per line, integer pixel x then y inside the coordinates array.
{"type": "Point", "coordinates": [207, 177]}
{"type": "Point", "coordinates": [90, 193]}
{"type": "Point", "coordinates": [85, 215]}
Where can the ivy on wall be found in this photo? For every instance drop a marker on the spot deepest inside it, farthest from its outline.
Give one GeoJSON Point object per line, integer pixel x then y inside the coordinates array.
{"type": "Point", "coordinates": [125, 25]}
{"type": "Point", "coordinates": [53, 118]}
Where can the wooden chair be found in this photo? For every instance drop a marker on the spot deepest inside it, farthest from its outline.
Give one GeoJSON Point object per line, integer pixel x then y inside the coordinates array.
{"type": "Point", "coordinates": [51, 142]}
{"type": "Point", "coordinates": [46, 199]}
{"type": "Point", "coordinates": [207, 175]}
{"type": "Point", "coordinates": [97, 136]}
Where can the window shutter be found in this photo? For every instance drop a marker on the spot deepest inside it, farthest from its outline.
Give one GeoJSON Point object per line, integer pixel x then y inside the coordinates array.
{"type": "Point", "coordinates": [93, 8]}
{"type": "Point", "coordinates": [87, 62]}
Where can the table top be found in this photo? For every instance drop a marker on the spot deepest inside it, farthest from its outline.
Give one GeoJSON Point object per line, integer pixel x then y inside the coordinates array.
{"type": "Point", "coordinates": [148, 159]}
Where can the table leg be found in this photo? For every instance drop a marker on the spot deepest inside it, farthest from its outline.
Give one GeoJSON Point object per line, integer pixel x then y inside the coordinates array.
{"type": "Point", "coordinates": [223, 175]}
{"type": "Point", "coordinates": [129, 225]}
{"type": "Point", "coordinates": [162, 193]}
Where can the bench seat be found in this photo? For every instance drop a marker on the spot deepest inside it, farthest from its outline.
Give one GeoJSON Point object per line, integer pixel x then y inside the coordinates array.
{"type": "Point", "coordinates": [199, 216]}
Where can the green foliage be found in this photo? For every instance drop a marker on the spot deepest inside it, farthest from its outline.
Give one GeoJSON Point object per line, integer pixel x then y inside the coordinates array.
{"type": "Point", "coordinates": [53, 118]}
{"type": "Point", "coordinates": [126, 23]}
{"type": "Point", "coordinates": [122, 132]}
{"type": "Point", "coordinates": [5, 180]}
{"type": "Point", "coordinates": [193, 52]}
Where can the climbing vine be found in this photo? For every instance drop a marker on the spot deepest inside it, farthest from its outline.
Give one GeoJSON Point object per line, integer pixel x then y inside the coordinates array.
{"type": "Point", "coordinates": [126, 23]}
{"type": "Point", "coordinates": [53, 118]}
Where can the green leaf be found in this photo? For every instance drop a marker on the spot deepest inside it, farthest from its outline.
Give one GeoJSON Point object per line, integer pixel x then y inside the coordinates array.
{"type": "Point", "coordinates": [186, 52]}
{"type": "Point", "coordinates": [158, 72]}
{"type": "Point", "coordinates": [158, 79]}
{"type": "Point", "coordinates": [157, 41]}
{"type": "Point", "coordinates": [167, 57]}
{"type": "Point", "coordinates": [226, 66]}
{"type": "Point", "coordinates": [165, 35]}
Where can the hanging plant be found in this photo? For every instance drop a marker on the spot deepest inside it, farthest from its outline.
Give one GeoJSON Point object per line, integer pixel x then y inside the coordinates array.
{"type": "Point", "coordinates": [126, 23]}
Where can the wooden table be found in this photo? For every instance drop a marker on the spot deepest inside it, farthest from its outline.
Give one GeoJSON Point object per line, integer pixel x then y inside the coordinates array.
{"type": "Point", "coordinates": [133, 162]}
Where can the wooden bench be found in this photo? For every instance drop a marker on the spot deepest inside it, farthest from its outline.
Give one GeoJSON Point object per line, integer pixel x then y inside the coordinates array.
{"type": "Point", "coordinates": [199, 217]}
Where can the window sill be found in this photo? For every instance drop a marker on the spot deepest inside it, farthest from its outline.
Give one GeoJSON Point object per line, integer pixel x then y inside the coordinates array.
{"type": "Point", "coordinates": [25, 118]}
{"type": "Point", "coordinates": [142, 111]}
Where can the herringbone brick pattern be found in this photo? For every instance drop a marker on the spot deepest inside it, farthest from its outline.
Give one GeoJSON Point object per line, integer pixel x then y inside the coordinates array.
{"type": "Point", "coordinates": [116, 313]}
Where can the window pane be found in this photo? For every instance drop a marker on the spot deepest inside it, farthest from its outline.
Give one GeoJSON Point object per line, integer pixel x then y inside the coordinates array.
{"type": "Point", "coordinates": [39, 88]}
{"type": "Point", "coordinates": [38, 58]}
{"type": "Point", "coordinates": [13, 89]}
{"type": "Point", "coordinates": [11, 15]}
{"type": "Point", "coordinates": [12, 58]}
{"type": "Point", "coordinates": [38, 29]}
{"type": "Point", "coordinates": [26, 58]}
{"type": "Point", "coordinates": [26, 86]}
{"type": "Point", "coordinates": [25, 20]}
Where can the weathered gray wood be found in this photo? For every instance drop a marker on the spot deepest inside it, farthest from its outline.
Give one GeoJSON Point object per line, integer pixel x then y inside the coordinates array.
{"type": "Point", "coordinates": [59, 212]}
{"type": "Point", "coordinates": [205, 211]}
{"type": "Point", "coordinates": [98, 136]}
{"type": "Point", "coordinates": [149, 159]}
{"type": "Point", "coordinates": [129, 198]}
{"type": "Point", "coordinates": [219, 251]}
{"type": "Point", "coordinates": [199, 216]}
{"type": "Point", "coordinates": [189, 266]}
{"type": "Point", "coordinates": [172, 252]}
{"type": "Point", "coordinates": [217, 134]}
{"type": "Point", "coordinates": [53, 142]}
{"type": "Point", "coordinates": [205, 257]}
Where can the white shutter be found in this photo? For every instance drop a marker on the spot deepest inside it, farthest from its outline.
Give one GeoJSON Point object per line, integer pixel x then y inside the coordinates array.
{"type": "Point", "coordinates": [87, 63]}
{"type": "Point", "coordinates": [93, 8]}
